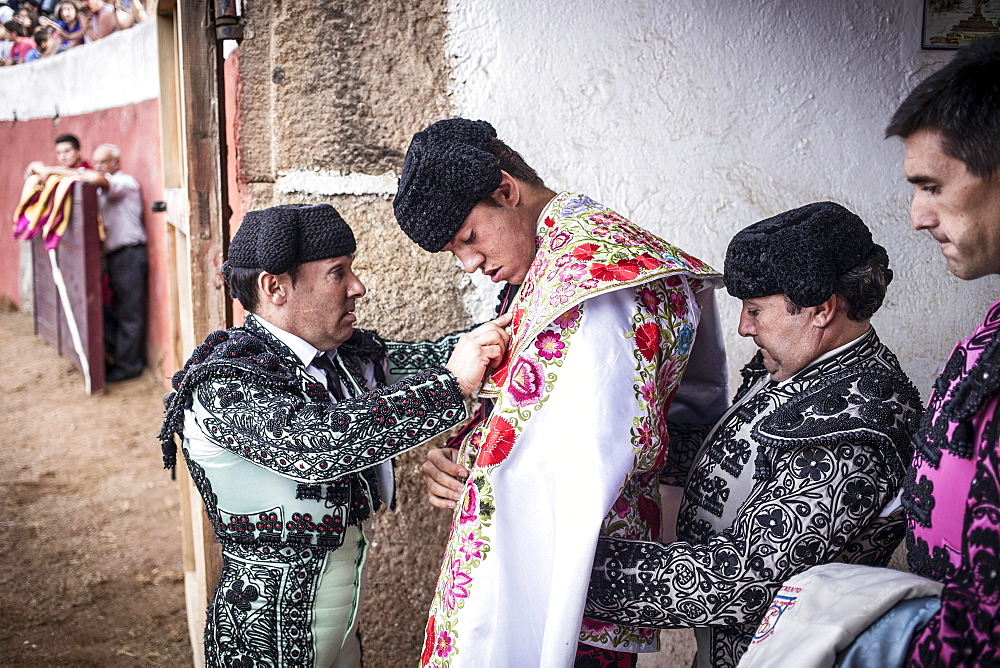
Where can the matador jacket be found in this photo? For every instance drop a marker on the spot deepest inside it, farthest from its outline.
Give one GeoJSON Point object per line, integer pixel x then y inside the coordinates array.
{"type": "Point", "coordinates": [952, 500]}
{"type": "Point", "coordinates": [796, 473]}
{"type": "Point", "coordinates": [287, 475]}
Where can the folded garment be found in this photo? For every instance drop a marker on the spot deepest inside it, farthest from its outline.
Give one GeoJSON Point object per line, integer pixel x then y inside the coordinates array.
{"type": "Point", "coordinates": [819, 612]}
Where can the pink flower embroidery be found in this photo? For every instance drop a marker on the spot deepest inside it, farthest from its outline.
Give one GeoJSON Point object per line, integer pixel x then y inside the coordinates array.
{"type": "Point", "coordinates": [622, 506]}
{"type": "Point", "coordinates": [673, 281]}
{"type": "Point", "coordinates": [678, 303]}
{"type": "Point", "coordinates": [471, 548]}
{"type": "Point", "coordinates": [526, 381]}
{"type": "Point", "coordinates": [650, 300]}
{"type": "Point", "coordinates": [568, 319]}
{"type": "Point", "coordinates": [550, 345]}
{"type": "Point", "coordinates": [645, 435]}
{"type": "Point", "coordinates": [443, 646]}
{"type": "Point", "coordinates": [455, 586]}
{"type": "Point", "coordinates": [560, 240]}
{"type": "Point", "coordinates": [647, 392]}
{"type": "Point", "coordinates": [470, 506]}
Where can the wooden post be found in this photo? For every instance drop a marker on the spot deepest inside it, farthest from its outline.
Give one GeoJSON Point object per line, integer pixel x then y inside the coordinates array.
{"type": "Point", "coordinates": [197, 228]}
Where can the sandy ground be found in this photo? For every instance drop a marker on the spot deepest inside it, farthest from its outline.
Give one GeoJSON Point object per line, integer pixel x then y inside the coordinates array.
{"type": "Point", "coordinates": [90, 571]}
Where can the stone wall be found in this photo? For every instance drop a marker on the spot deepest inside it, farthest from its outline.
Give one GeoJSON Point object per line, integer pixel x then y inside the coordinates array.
{"type": "Point", "coordinates": [328, 96]}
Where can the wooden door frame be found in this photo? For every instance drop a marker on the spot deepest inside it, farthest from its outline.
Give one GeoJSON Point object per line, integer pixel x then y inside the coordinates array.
{"type": "Point", "coordinates": [193, 145]}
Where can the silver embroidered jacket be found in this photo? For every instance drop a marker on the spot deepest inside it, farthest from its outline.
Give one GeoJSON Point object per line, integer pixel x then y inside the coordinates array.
{"type": "Point", "coordinates": [796, 473]}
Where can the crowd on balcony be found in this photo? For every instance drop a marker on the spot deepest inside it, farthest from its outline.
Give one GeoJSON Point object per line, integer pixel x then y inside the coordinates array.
{"type": "Point", "coordinates": [34, 29]}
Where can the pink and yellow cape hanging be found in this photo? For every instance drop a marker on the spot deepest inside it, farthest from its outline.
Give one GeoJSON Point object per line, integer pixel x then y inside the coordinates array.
{"type": "Point", "coordinates": [601, 332]}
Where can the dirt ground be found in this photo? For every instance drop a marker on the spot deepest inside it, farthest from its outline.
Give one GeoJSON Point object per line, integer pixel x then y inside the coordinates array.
{"type": "Point", "coordinates": [90, 573]}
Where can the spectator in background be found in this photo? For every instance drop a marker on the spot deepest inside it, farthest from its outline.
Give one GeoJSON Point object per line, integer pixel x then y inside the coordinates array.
{"type": "Point", "coordinates": [22, 43]}
{"type": "Point", "coordinates": [6, 12]}
{"type": "Point", "coordinates": [67, 29]}
{"type": "Point", "coordinates": [6, 44]}
{"type": "Point", "coordinates": [68, 157]}
{"type": "Point", "coordinates": [41, 40]}
{"type": "Point", "coordinates": [102, 22]}
{"type": "Point", "coordinates": [125, 259]}
{"type": "Point", "coordinates": [27, 16]}
{"type": "Point", "coordinates": [68, 153]}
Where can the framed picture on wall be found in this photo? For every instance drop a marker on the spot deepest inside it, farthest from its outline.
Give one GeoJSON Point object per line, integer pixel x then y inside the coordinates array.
{"type": "Point", "coordinates": [952, 24]}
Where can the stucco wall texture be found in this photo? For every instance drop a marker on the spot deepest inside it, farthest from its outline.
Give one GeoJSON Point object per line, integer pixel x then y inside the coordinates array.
{"type": "Point", "coordinates": [695, 120]}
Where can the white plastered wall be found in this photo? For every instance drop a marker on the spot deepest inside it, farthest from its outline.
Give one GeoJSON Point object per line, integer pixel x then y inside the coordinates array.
{"type": "Point", "coordinates": [697, 119]}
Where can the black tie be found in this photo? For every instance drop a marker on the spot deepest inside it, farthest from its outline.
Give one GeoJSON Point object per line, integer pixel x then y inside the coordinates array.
{"type": "Point", "coordinates": [332, 376]}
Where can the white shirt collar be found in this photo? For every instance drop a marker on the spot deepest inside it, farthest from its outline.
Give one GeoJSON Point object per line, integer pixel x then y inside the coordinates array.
{"type": "Point", "coordinates": [305, 351]}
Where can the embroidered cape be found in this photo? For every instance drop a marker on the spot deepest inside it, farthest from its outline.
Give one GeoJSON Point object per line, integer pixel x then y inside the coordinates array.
{"type": "Point", "coordinates": [601, 333]}
{"type": "Point", "coordinates": [831, 444]}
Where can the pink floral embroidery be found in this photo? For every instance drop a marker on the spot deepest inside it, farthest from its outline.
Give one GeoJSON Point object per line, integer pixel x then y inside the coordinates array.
{"type": "Point", "coordinates": [443, 646]}
{"type": "Point", "coordinates": [526, 381]}
{"type": "Point", "coordinates": [568, 319]}
{"type": "Point", "coordinates": [673, 281]}
{"type": "Point", "coordinates": [650, 300]}
{"type": "Point", "coordinates": [678, 303]}
{"type": "Point", "coordinates": [455, 587]}
{"type": "Point", "coordinates": [559, 240]}
{"type": "Point", "coordinates": [471, 547]}
{"type": "Point", "coordinates": [622, 506]}
{"type": "Point", "coordinates": [550, 345]}
{"type": "Point", "coordinates": [470, 506]}
{"type": "Point", "coordinates": [645, 435]}
{"type": "Point", "coordinates": [572, 272]}
{"type": "Point", "coordinates": [647, 391]}
{"type": "Point", "coordinates": [666, 374]}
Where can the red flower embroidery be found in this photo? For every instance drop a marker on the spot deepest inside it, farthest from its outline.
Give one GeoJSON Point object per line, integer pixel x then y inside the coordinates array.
{"type": "Point", "coordinates": [647, 337]}
{"type": "Point", "coordinates": [693, 261]}
{"type": "Point", "coordinates": [429, 638]}
{"type": "Point", "coordinates": [647, 261]}
{"type": "Point", "coordinates": [549, 222]}
{"type": "Point", "coordinates": [585, 251]}
{"type": "Point", "coordinates": [623, 270]}
{"type": "Point", "coordinates": [498, 444]}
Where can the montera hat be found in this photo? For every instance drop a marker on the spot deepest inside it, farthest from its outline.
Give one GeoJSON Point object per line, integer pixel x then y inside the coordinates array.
{"type": "Point", "coordinates": [282, 237]}
{"type": "Point", "coordinates": [448, 169]}
{"type": "Point", "coordinates": [799, 253]}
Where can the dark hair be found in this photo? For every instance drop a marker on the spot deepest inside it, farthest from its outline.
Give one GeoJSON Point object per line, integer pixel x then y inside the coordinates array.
{"type": "Point", "coordinates": [40, 36]}
{"type": "Point", "coordinates": [512, 163]}
{"type": "Point", "coordinates": [15, 27]}
{"type": "Point", "coordinates": [242, 283]}
{"type": "Point", "coordinates": [862, 288]}
{"type": "Point", "coordinates": [69, 139]}
{"type": "Point", "coordinates": [962, 102]}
